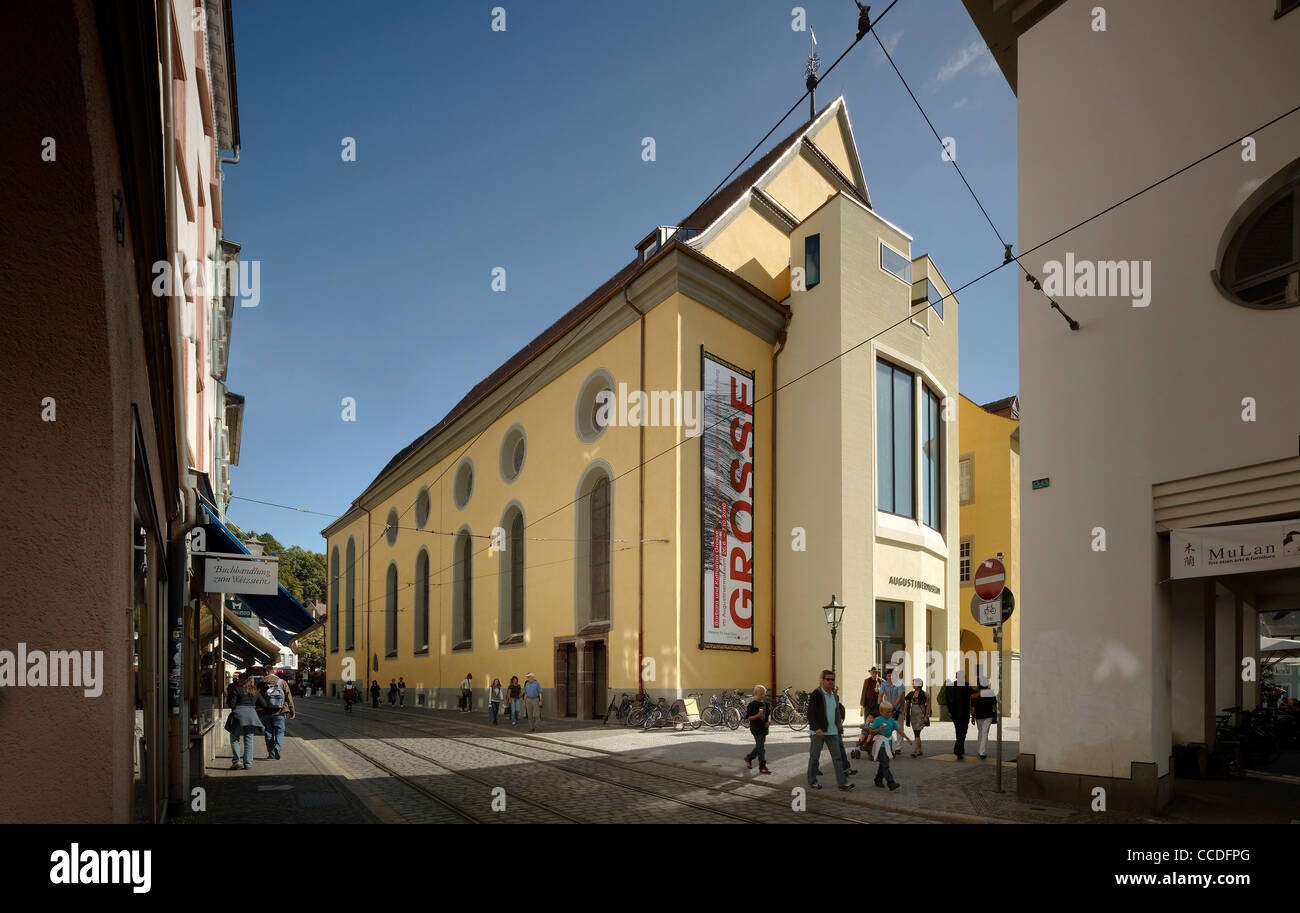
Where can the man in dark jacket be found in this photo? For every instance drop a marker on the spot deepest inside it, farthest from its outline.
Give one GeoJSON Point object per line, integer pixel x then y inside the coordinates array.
{"type": "Point", "coordinates": [826, 723]}
{"type": "Point", "coordinates": [958, 696]}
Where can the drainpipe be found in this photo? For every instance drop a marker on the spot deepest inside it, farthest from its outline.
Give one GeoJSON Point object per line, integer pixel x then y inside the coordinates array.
{"type": "Point", "coordinates": [780, 344]}
{"type": "Point", "coordinates": [640, 513]}
{"type": "Point", "coordinates": [366, 614]}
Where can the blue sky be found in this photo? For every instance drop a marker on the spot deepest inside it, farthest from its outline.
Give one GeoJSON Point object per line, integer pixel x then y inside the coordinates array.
{"type": "Point", "coordinates": [522, 149]}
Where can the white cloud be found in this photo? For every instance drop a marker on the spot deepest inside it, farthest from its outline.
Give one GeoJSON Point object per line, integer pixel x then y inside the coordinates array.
{"type": "Point", "coordinates": [959, 103]}
{"type": "Point", "coordinates": [975, 51]}
{"type": "Point", "coordinates": [892, 41]}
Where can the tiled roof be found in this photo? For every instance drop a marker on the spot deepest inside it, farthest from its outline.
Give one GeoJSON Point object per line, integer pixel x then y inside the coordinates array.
{"type": "Point", "coordinates": [1002, 405]}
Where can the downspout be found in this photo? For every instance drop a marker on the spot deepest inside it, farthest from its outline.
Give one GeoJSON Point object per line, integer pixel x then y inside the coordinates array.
{"type": "Point", "coordinates": [780, 344]}
{"type": "Point", "coordinates": [366, 614]}
{"type": "Point", "coordinates": [640, 513]}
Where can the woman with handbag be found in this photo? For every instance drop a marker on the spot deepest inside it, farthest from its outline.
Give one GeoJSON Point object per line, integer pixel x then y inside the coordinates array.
{"type": "Point", "coordinates": [917, 713]}
{"type": "Point", "coordinates": [244, 722]}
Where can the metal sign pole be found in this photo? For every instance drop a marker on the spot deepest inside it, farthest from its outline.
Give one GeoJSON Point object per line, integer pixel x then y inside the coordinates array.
{"type": "Point", "coordinates": [1002, 678]}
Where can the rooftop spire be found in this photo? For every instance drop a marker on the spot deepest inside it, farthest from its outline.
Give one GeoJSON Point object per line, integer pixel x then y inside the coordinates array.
{"type": "Point", "coordinates": [811, 67]}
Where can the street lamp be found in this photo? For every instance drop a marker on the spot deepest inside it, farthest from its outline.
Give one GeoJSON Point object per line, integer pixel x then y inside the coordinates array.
{"type": "Point", "coordinates": [834, 615]}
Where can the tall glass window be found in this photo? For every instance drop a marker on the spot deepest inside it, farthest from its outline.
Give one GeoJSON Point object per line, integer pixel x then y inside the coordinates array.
{"type": "Point", "coordinates": [334, 600]}
{"type": "Point", "coordinates": [422, 601]}
{"type": "Point", "coordinates": [390, 611]}
{"type": "Point", "coordinates": [517, 574]}
{"type": "Point", "coordinates": [931, 459]}
{"type": "Point", "coordinates": [895, 440]}
{"type": "Point", "coordinates": [600, 550]}
{"type": "Point", "coordinates": [812, 260]}
{"type": "Point", "coordinates": [349, 621]}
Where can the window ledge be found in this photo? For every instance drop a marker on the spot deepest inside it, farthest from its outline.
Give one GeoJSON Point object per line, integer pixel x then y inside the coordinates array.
{"type": "Point", "coordinates": [463, 647]}
{"type": "Point", "coordinates": [595, 628]}
{"type": "Point", "coordinates": [392, 654]}
{"type": "Point", "coordinates": [901, 530]}
{"type": "Point", "coordinates": [511, 640]}
{"type": "Point", "coordinates": [424, 651]}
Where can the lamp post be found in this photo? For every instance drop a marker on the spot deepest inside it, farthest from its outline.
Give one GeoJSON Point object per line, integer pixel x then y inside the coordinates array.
{"type": "Point", "coordinates": [834, 614]}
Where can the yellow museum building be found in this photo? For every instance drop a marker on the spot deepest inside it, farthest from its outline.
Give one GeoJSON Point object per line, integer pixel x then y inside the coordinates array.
{"type": "Point", "coordinates": [638, 499]}
{"type": "Point", "coordinates": [989, 491]}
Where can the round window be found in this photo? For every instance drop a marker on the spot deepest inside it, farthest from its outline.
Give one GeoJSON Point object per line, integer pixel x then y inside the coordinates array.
{"type": "Point", "coordinates": [422, 508]}
{"type": "Point", "coordinates": [513, 450]}
{"type": "Point", "coordinates": [464, 486]}
{"type": "Point", "coordinates": [390, 527]}
{"type": "Point", "coordinates": [1259, 265]}
{"type": "Point", "coordinates": [594, 406]}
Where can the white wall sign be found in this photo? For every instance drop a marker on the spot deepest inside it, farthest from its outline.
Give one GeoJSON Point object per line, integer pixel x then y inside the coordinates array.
{"type": "Point", "coordinates": [232, 575]}
{"type": "Point", "coordinates": [1208, 551]}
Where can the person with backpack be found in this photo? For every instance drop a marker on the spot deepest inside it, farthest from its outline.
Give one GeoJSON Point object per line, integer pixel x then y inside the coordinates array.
{"type": "Point", "coordinates": [244, 721]}
{"type": "Point", "coordinates": [279, 709]}
{"type": "Point", "coordinates": [467, 692]}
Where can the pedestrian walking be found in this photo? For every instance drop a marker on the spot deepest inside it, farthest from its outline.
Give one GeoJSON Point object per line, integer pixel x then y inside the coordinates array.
{"type": "Point", "coordinates": [825, 717]}
{"type": "Point", "coordinates": [467, 693]}
{"type": "Point", "coordinates": [401, 691]}
{"type": "Point", "coordinates": [892, 691]}
{"type": "Point", "coordinates": [983, 708]}
{"type": "Point", "coordinates": [244, 722]}
{"type": "Point", "coordinates": [759, 715]}
{"type": "Point", "coordinates": [870, 702]}
{"type": "Point", "coordinates": [496, 694]}
{"type": "Point", "coordinates": [916, 710]}
{"type": "Point", "coordinates": [392, 692]}
{"type": "Point", "coordinates": [279, 710]}
{"type": "Point", "coordinates": [515, 695]}
{"type": "Point", "coordinates": [349, 695]}
{"type": "Point", "coordinates": [533, 700]}
{"type": "Point", "coordinates": [959, 708]}
{"type": "Point", "coordinates": [882, 731]}
{"type": "Point", "coordinates": [374, 693]}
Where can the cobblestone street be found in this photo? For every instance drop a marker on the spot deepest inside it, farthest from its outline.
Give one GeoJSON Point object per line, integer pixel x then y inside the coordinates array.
{"type": "Point", "coordinates": [434, 767]}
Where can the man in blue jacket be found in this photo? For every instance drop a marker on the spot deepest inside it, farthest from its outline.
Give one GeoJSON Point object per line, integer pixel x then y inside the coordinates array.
{"type": "Point", "coordinates": [826, 721]}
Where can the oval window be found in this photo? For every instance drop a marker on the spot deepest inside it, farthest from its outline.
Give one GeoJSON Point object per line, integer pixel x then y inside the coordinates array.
{"type": "Point", "coordinates": [1260, 262]}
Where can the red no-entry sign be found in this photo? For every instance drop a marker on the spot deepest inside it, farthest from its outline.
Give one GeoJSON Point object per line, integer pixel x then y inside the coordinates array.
{"type": "Point", "coordinates": [990, 579]}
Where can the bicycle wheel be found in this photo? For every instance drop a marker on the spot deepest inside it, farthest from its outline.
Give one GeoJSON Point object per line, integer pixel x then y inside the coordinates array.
{"type": "Point", "coordinates": [636, 717]}
{"type": "Point", "coordinates": [711, 716]}
{"type": "Point", "coordinates": [781, 714]}
{"type": "Point", "coordinates": [798, 721]}
{"type": "Point", "coordinates": [732, 719]}
{"type": "Point", "coordinates": [696, 724]}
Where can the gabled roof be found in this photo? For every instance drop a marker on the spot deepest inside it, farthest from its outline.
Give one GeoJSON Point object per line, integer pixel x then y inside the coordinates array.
{"type": "Point", "coordinates": [703, 216]}
{"type": "Point", "coordinates": [1008, 404]}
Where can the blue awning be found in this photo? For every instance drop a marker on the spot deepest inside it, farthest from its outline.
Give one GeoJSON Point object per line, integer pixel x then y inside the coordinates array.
{"type": "Point", "coordinates": [282, 614]}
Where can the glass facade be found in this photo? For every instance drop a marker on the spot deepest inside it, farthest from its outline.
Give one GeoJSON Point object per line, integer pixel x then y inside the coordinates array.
{"type": "Point", "coordinates": [931, 460]}
{"type": "Point", "coordinates": [895, 436]}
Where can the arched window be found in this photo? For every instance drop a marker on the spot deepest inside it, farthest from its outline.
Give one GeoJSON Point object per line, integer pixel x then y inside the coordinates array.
{"type": "Point", "coordinates": [421, 639]}
{"type": "Point", "coordinates": [600, 556]}
{"type": "Point", "coordinates": [349, 620]}
{"type": "Point", "coordinates": [1259, 262]}
{"type": "Point", "coordinates": [334, 600]}
{"type": "Point", "coordinates": [510, 618]}
{"type": "Point", "coordinates": [390, 611]}
{"type": "Point", "coordinates": [593, 564]}
{"type": "Point", "coordinates": [463, 592]}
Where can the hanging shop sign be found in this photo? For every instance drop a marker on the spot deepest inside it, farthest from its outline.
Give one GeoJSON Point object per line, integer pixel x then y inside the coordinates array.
{"type": "Point", "coordinates": [727, 505]}
{"type": "Point", "coordinates": [1208, 551]}
{"type": "Point", "coordinates": [235, 575]}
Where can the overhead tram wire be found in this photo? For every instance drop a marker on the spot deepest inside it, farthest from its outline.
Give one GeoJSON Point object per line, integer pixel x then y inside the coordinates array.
{"type": "Point", "coordinates": [930, 305]}
{"type": "Point", "coordinates": [797, 103]}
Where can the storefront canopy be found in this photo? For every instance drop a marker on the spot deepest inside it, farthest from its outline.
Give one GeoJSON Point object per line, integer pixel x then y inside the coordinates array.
{"type": "Point", "coordinates": [240, 650]}
{"type": "Point", "coordinates": [1212, 551]}
{"type": "Point", "coordinates": [280, 612]}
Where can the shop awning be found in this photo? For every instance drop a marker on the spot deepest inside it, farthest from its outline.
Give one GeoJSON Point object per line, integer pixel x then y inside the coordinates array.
{"type": "Point", "coordinates": [282, 614]}
{"type": "Point", "coordinates": [240, 649]}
